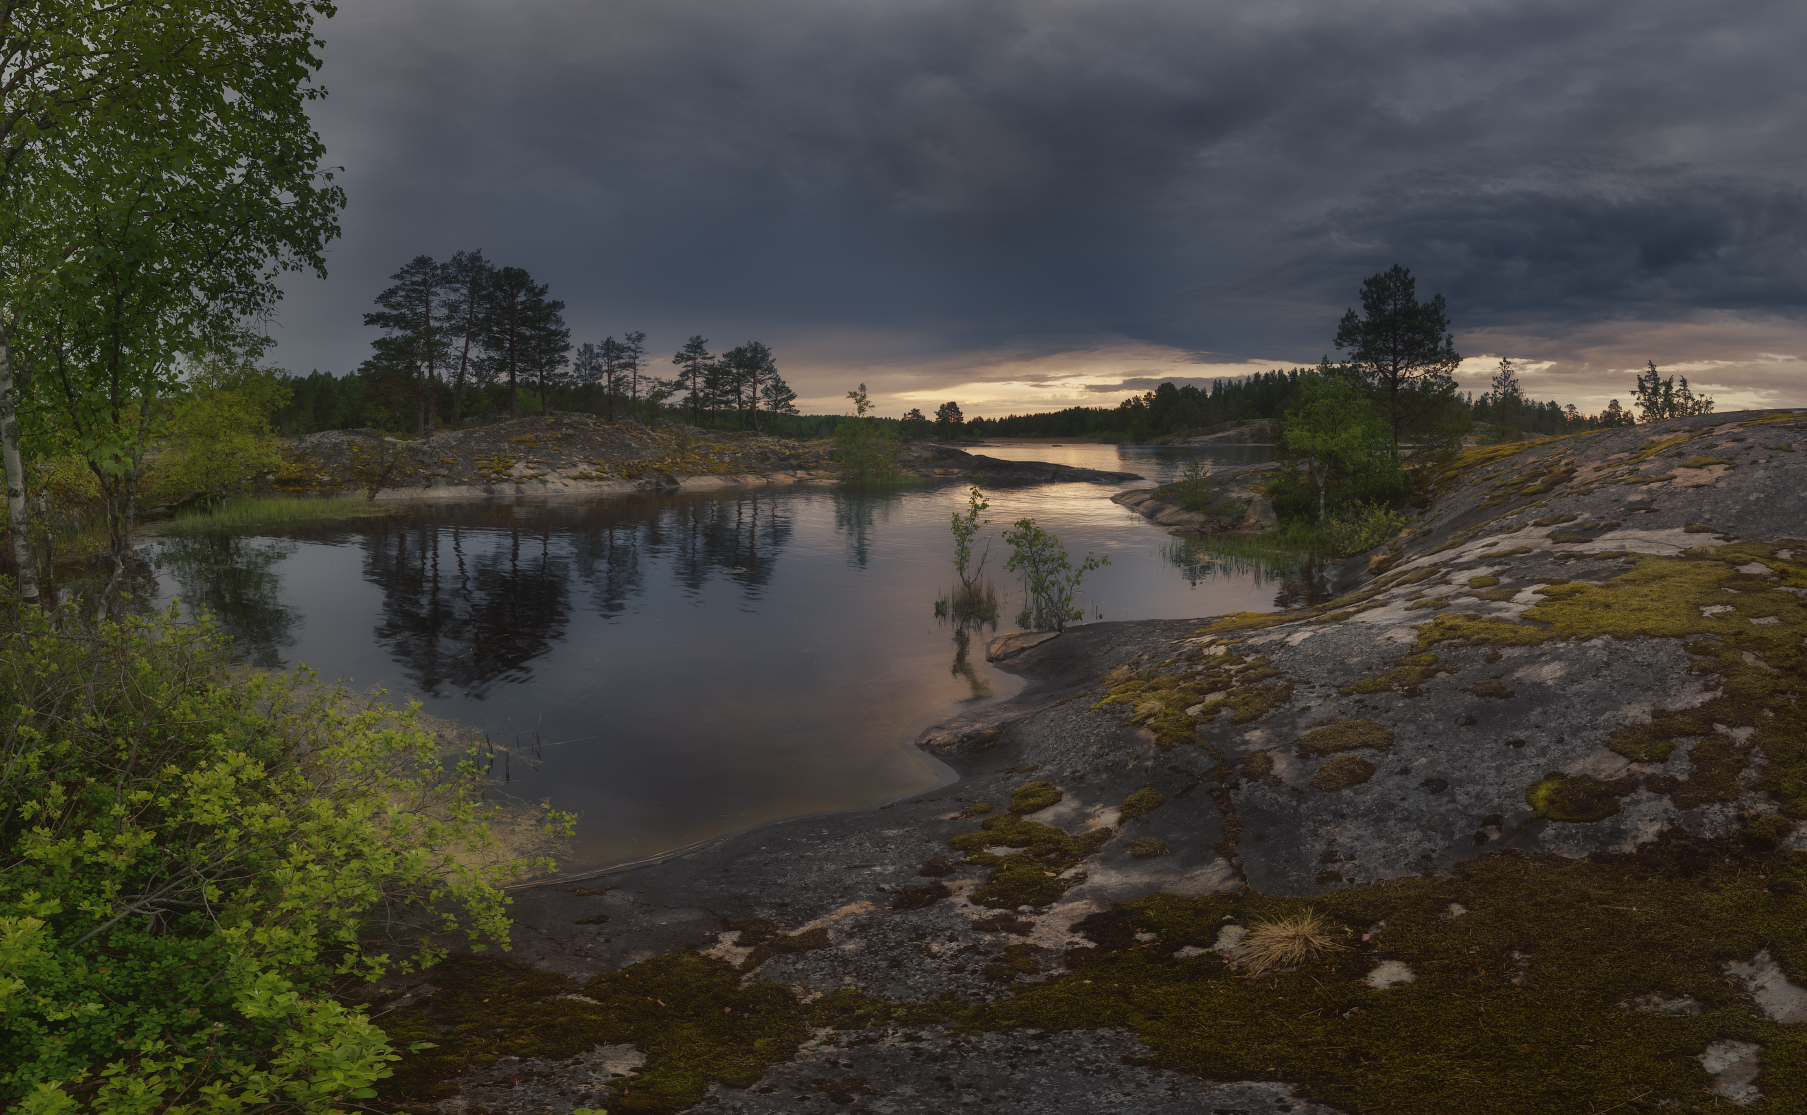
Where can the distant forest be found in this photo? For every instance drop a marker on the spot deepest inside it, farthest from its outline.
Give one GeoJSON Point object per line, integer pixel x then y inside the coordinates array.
{"type": "Point", "coordinates": [1172, 410]}
{"type": "Point", "coordinates": [369, 398]}
{"type": "Point", "coordinates": [466, 339]}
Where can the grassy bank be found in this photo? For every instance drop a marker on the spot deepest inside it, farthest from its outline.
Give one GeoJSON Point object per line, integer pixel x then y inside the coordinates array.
{"type": "Point", "coordinates": [247, 512]}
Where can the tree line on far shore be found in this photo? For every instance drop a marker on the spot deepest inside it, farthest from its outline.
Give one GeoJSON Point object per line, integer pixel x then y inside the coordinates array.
{"type": "Point", "coordinates": [466, 337]}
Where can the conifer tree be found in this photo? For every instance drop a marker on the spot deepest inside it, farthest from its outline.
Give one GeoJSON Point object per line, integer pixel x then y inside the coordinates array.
{"type": "Point", "coordinates": [1401, 352]}
{"type": "Point", "coordinates": [633, 360]}
{"type": "Point", "coordinates": [693, 362]}
{"type": "Point", "coordinates": [468, 278]}
{"type": "Point", "coordinates": [410, 315]}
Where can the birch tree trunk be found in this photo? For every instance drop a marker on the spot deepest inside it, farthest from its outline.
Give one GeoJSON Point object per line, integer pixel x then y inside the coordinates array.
{"type": "Point", "coordinates": [15, 475]}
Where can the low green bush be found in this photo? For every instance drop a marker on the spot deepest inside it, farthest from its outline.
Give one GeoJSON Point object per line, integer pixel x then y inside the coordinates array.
{"type": "Point", "coordinates": [194, 858]}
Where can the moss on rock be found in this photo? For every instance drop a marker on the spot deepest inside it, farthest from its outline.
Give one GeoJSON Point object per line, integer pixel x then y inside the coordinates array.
{"type": "Point", "coordinates": [1342, 772]}
{"type": "Point", "coordinates": [1577, 800]}
{"type": "Point", "coordinates": [1033, 797]}
{"type": "Point", "coordinates": [688, 1013]}
{"type": "Point", "coordinates": [1142, 802]}
{"type": "Point", "coordinates": [1345, 735]}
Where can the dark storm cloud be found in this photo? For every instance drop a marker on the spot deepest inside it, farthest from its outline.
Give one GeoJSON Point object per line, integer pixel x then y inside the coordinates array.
{"type": "Point", "coordinates": [1216, 176]}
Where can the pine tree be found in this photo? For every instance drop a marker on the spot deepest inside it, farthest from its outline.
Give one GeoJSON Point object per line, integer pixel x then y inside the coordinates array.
{"type": "Point", "coordinates": [506, 327]}
{"type": "Point", "coordinates": [467, 277]}
{"type": "Point", "coordinates": [633, 359]}
{"type": "Point", "coordinates": [548, 340]}
{"type": "Point", "coordinates": [612, 356]}
{"type": "Point", "coordinates": [779, 398]}
{"type": "Point", "coordinates": [948, 419]}
{"type": "Point", "coordinates": [693, 362]}
{"type": "Point", "coordinates": [1508, 398]}
{"type": "Point", "coordinates": [1402, 354]}
{"type": "Point", "coordinates": [410, 315]}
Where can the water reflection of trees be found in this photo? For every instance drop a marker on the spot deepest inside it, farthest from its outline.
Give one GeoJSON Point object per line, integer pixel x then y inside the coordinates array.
{"type": "Point", "coordinates": [236, 579]}
{"type": "Point", "coordinates": [857, 513]}
{"type": "Point", "coordinates": [464, 608]}
{"type": "Point", "coordinates": [1299, 578]}
{"type": "Point", "coordinates": [471, 603]}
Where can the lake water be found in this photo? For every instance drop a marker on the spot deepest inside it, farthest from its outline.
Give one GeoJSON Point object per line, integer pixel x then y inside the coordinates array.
{"type": "Point", "coordinates": [690, 665]}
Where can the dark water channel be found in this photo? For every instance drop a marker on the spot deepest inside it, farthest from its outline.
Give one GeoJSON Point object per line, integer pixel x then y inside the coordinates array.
{"type": "Point", "coordinates": [685, 666]}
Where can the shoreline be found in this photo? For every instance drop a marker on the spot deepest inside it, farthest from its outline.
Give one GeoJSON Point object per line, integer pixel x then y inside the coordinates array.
{"type": "Point", "coordinates": [1452, 753]}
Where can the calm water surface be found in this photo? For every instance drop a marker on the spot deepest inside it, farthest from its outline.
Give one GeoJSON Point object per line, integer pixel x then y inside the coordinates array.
{"type": "Point", "coordinates": [686, 666]}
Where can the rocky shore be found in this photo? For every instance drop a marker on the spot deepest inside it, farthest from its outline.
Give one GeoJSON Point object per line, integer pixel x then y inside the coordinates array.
{"type": "Point", "coordinates": [1235, 505]}
{"type": "Point", "coordinates": [576, 454]}
{"type": "Point", "coordinates": [1538, 776]}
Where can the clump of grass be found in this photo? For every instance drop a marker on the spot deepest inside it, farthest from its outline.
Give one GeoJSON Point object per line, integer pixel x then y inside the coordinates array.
{"type": "Point", "coordinates": [247, 512]}
{"type": "Point", "coordinates": [970, 602]}
{"type": "Point", "coordinates": [1287, 942]}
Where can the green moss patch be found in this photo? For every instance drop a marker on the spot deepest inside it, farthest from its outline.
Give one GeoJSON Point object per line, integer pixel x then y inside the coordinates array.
{"type": "Point", "coordinates": [1345, 735]}
{"type": "Point", "coordinates": [1653, 742]}
{"type": "Point", "coordinates": [976, 809]}
{"type": "Point", "coordinates": [1342, 772]}
{"type": "Point", "coordinates": [688, 1013]}
{"type": "Point", "coordinates": [1493, 687]}
{"type": "Point", "coordinates": [1563, 537]}
{"type": "Point", "coordinates": [1245, 687]}
{"type": "Point", "coordinates": [1523, 1003]}
{"type": "Point", "coordinates": [1578, 800]}
{"type": "Point", "coordinates": [1142, 802]}
{"type": "Point", "coordinates": [1656, 447]}
{"type": "Point", "coordinates": [763, 936]}
{"type": "Point", "coordinates": [917, 898]}
{"type": "Point", "coordinates": [1469, 629]}
{"type": "Point", "coordinates": [1033, 797]}
{"type": "Point", "coordinates": [1408, 675]}
{"type": "Point", "coordinates": [1483, 581]}
{"type": "Point", "coordinates": [1147, 847]}
{"type": "Point", "coordinates": [1259, 765]}
{"type": "Point", "coordinates": [1017, 960]}
{"type": "Point", "coordinates": [1502, 593]}
{"type": "Point", "coordinates": [1031, 877]}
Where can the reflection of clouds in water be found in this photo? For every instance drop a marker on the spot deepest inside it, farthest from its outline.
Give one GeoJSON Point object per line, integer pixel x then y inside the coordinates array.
{"type": "Point", "coordinates": [237, 581]}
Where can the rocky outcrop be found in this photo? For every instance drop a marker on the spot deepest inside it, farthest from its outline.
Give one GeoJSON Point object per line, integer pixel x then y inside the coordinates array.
{"type": "Point", "coordinates": [1512, 825]}
{"type": "Point", "coordinates": [1237, 505]}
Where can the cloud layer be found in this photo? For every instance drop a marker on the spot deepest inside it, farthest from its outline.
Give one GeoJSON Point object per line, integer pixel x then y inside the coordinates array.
{"type": "Point", "coordinates": [917, 191]}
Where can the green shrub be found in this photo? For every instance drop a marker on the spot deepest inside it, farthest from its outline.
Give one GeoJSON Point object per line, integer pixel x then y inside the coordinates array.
{"type": "Point", "coordinates": [1050, 579]}
{"type": "Point", "coordinates": [192, 855]}
{"type": "Point", "coordinates": [866, 451]}
{"type": "Point", "coordinates": [1352, 529]}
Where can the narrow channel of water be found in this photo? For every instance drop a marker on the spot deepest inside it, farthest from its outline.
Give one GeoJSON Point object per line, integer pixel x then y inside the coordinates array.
{"type": "Point", "coordinates": [687, 666]}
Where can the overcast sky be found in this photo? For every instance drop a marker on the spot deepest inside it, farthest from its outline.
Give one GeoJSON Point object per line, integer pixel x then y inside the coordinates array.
{"type": "Point", "coordinates": [1024, 205]}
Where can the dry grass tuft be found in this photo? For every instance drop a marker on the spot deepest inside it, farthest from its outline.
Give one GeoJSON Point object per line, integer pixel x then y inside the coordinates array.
{"type": "Point", "coordinates": [1287, 942]}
